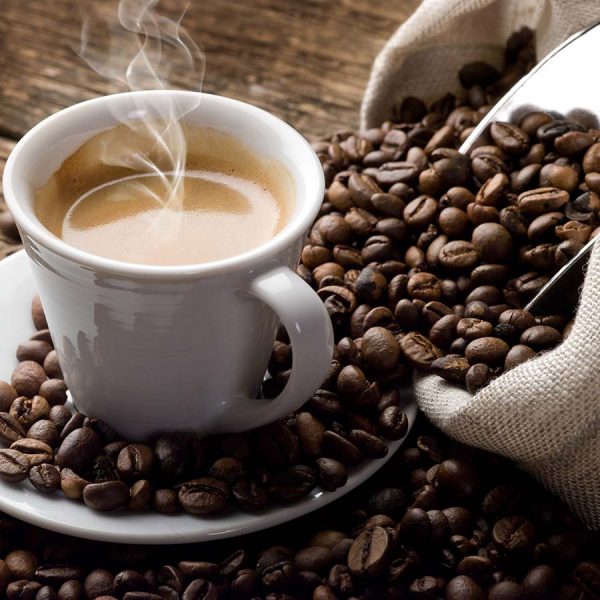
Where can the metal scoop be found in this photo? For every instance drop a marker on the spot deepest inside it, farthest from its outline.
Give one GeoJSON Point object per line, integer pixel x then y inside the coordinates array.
{"type": "Point", "coordinates": [557, 85]}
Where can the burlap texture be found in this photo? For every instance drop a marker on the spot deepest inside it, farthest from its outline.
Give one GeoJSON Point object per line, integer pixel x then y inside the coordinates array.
{"type": "Point", "coordinates": [544, 414]}
{"type": "Point", "coordinates": [424, 55]}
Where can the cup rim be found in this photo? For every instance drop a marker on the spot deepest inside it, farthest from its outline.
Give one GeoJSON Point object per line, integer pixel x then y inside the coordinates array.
{"type": "Point", "coordinates": [296, 227]}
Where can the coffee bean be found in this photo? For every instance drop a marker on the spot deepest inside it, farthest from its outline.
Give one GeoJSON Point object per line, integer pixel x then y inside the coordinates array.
{"type": "Point", "coordinates": [540, 337]}
{"type": "Point", "coordinates": [14, 465]}
{"type": "Point", "coordinates": [45, 478]}
{"type": "Point", "coordinates": [458, 254]}
{"type": "Point", "coordinates": [369, 553]}
{"type": "Point", "coordinates": [393, 423]}
{"type": "Point", "coordinates": [472, 329]}
{"type": "Point", "coordinates": [380, 349]}
{"type": "Point", "coordinates": [78, 450]}
{"type": "Point", "coordinates": [488, 350]}
{"type": "Point", "coordinates": [338, 447]}
{"type": "Point", "coordinates": [108, 495]}
{"type": "Point", "coordinates": [27, 411]}
{"type": "Point", "coordinates": [545, 199]}
{"type": "Point", "coordinates": [332, 474]}
{"type": "Point", "coordinates": [135, 460]}
{"type": "Point", "coordinates": [37, 313]}
{"type": "Point", "coordinates": [52, 366]}
{"type": "Point", "coordinates": [509, 137]}
{"type": "Point", "coordinates": [452, 368]}
{"type": "Point", "coordinates": [72, 485]}
{"type": "Point", "coordinates": [370, 286]}
{"type": "Point", "coordinates": [517, 355]}
{"type": "Point", "coordinates": [292, 483]}
{"type": "Point", "coordinates": [478, 376]}
{"type": "Point", "coordinates": [27, 378]}
{"type": "Point", "coordinates": [54, 391]}
{"type": "Point", "coordinates": [418, 350]}
{"type": "Point", "coordinates": [33, 350]}
{"type": "Point", "coordinates": [44, 431]}
{"type": "Point", "coordinates": [204, 496]}
{"type": "Point", "coordinates": [55, 574]}
{"type": "Point", "coordinates": [10, 429]}
{"type": "Point", "coordinates": [464, 587]}
{"type": "Point", "coordinates": [369, 444]}
{"type": "Point", "coordinates": [493, 242]}
{"type": "Point", "coordinates": [514, 534]}
{"type": "Point", "coordinates": [37, 452]}
{"type": "Point", "coordinates": [165, 501]}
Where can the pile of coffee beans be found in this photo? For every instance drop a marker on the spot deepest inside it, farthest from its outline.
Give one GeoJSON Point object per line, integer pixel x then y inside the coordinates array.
{"type": "Point", "coordinates": [440, 521]}
{"type": "Point", "coordinates": [426, 257]}
{"type": "Point", "coordinates": [60, 450]}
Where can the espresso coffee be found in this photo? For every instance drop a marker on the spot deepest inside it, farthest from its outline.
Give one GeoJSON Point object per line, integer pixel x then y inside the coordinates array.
{"type": "Point", "coordinates": [118, 197]}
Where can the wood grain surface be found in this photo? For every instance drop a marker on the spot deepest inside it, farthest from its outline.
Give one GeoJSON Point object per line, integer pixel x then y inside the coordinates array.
{"type": "Point", "coordinates": [305, 60]}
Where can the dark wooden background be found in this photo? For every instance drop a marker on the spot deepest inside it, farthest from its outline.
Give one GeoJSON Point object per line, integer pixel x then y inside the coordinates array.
{"type": "Point", "coordinates": [306, 61]}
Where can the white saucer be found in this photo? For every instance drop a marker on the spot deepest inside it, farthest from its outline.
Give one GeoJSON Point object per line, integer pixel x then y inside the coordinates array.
{"type": "Point", "coordinates": [60, 514]}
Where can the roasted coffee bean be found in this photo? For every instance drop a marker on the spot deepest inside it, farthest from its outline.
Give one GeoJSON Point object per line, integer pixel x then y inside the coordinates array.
{"type": "Point", "coordinates": [27, 378]}
{"type": "Point", "coordinates": [338, 447]}
{"type": "Point", "coordinates": [140, 494]}
{"type": "Point", "coordinates": [541, 200]}
{"type": "Point", "coordinates": [452, 368]}
{"type": "Point", "coordinates": [458, 254]}
{"type": "Point", "coordinates": [471, 329]}
{"type": "Point", "coordinates": [493, 242]}
{"type": "Point", "coordinates": [52, 366]}
{"type": "Point", "coordinates": [393, 423]}
{"type": "Point", "coordinates": [478, 376]}
{"type": "Point", "coordinates": [488, 350]}
{"type": "Point", "coordinates": [14, 465]}
{"type": "Point", "coordinates": [418, 350]}
{"type": "Point", "coordinates": [27, 411]}
{"type": "Point", "coordinates": [78, 450]}
{"type": "Point", "coordinates": [541, 337]}
{"type": "Point", "coordinates": [509, 137]}
{"type": "Point", "coordinates": [45, 478]}
{"type": "Point", "coordinates": [60, 416]}
{"type": "Point", "coordinates": [37, 452]}
{"type": "Point", "coordinates": [379, 349]}
{"type": "Point", "coordinates": [369, 553]}
{"type": "Point", "coordinates": [37, 313]}
{"type": "Point", "coordinates": [72, 485]}
{"type": "Point", "coordinates": [370, 286]}
{"type": "Point", "coordinates": [369, 444]}
{"type": "Point", "coordinates": [108, 495]}
{"type": "Point", "coordinates": [33, 350]}
{"type": "Point", "coordinates": [135, 461]}
{"type": "Point", "coordinates": [332, 474]}
{"type": "Point", "coordinates": [517, 355]}
{"type": "Point", "coordinates": [292, 483]}
{"type": "Point", "coordinates": [514, 534]}
{"type": "Point", "coordinates": [44, 431]}
{"type": "Point", "coordinates": [7, 395]}
{"type": "Point", "coordinates": [10, 429]}
{"type": "Point", "coordinates": [165, 501]}
{"type": "Point", "coordinates": [204, 496]}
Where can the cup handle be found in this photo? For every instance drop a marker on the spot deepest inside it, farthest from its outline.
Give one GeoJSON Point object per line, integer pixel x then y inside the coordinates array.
{"type": "Point", "coordinates": [311, 335]}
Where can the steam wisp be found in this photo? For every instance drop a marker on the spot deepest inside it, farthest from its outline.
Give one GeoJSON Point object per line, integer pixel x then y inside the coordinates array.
{"type": "Point", "coordinates": [143, 52]}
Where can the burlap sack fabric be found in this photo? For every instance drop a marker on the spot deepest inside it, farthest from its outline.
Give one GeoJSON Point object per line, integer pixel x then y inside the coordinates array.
{"type": "Point", "coordinates": [544, 414]}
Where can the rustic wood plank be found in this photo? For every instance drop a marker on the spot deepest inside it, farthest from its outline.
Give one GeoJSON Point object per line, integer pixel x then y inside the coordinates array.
{"type": "Point", "coordinates": [307, 61]}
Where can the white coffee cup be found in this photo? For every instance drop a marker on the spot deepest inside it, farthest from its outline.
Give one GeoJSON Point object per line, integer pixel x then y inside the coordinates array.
{"type": "Point", "coordinates": [152, 349]}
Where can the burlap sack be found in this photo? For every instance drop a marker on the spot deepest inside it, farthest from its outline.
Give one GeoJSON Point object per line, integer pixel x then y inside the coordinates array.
{"type": "Point", "coordinates": [424, 55]}
{"type": "Point", "coordinates": [544, 414]}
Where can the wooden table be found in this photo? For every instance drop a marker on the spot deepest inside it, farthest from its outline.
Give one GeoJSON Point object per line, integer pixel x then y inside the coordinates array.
{"type": "Point", "coordinates": [306, 61]}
